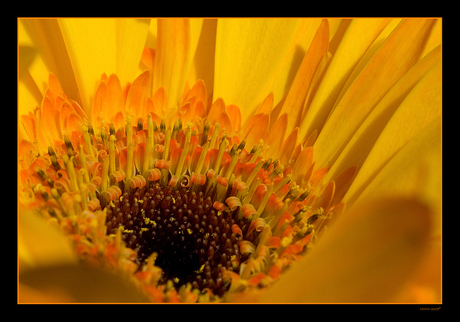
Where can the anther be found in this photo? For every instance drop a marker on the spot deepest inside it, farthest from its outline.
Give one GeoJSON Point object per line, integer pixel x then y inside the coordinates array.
{"type": "Point", "coordinates": [112, 129]}
{"type": "Point", "coordinates": [68, 144]}
{"type": "Point", "coordinates": [204, 137]}
{"type": "Point", "coordinates": [140, 124]}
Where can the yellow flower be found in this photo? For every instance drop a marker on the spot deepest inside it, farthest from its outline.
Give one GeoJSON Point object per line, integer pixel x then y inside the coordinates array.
{"type": "Point", "coordinates": [191, 160]}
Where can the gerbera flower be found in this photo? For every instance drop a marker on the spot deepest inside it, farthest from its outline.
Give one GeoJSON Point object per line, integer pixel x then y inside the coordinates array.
{"type": "Point", "coordinates": [273, 160]}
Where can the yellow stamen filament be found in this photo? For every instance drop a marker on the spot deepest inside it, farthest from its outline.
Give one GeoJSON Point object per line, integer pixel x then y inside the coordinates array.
{"type": "Point", "coordinates": [184, 153]}
{"type": "Point", "coordinates": [71, 172]}
{"type": "Point", "coordinates": [83, 164]}
{"type": "Point", "coordinates": [129, 144]}
{"type": "Point", "coordinates": [251, 191]}
{"type": "Point", "coordinates": [222, 147]}
{"type": "Point", "coordinates": [203, 154]}
{"type": "Point", "coordinates": [105, 174]}
{"type": "Point", "coordinates": [167, 142]}
{"type": "Point", "coordinates": [265, 199]}
{"type": "Point", "coordinates": [112, 165]}
{"type": "Point", "coordinates": [84, 197]}
{"type": "Point", "coordinates": [87, 139]}
{"type": "Point", "coordinates": [215, 132]}
{"type": "Point", "coordinates": [232, 164]}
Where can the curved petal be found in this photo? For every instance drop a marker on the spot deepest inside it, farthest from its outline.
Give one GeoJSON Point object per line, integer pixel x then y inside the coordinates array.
{"type": "Point", "coordinates": [398, 54]}
{"type": "Point", "coordinates": [363, 140]}
{"type": "Point", "coordinates": [415, 171]}
{"type": "Point", "coordinates": [131, 35]}
{"type": "Point", "coordinates": [52, 248]}
{"type": "Point", "coordinates": [98, 46]}
{"type": "Point", "coordinates": [203, 38]}
{"type": "Point", "coordinates": [364, 258]}
{"type": "Point", "coordinates": [299, 89]}
{"type": "Point", "coordinates": [172, 59]}
{"type": "Point", "coordinates": [45, 36]}
{"type": "Point", "coordinates": [421, 106]}
{"type": "Point", "coordinates": [87, 285]}
{"type": "Point", "coordinates": [349, 51]}
{"type": "Point", "coordinates": [248, 52]}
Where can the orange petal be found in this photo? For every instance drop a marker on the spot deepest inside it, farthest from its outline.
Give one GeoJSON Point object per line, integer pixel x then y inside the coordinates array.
{"type": "Point", "coordinates": [235, 115]}
{"type": "Point", "coordinates": [66, 110]}
{"type": "Point", "coordinates": [216, 109]}
{"type": "Point", "coordinates": [302, 164]}
{"type": "Point", "coordinates": [114, 96]}
{"type": "Point", "coordinates": [50, 119]}
{"type": "Point", "coordinates": [258, 130]}
{"type": "Point", "coordinates": [136, 101]}
{"type": "Point", "coordinates": [267, 105]}
{"type": "Point", "coordinates": [160, 101]}
{"type": "Point", "coordinates": [99, 102]}
{"type": "Point", "coordinates": [225, 122]}
{"type": "Point", "coordinates": [199, 91]}
{"type": "Point", "coordinates": [275, 136]}
{"type": "Point", "coordinates": [148, 57]}
{"type": "Point", "coordinates": [325, 199]}
{"type": "Point", "coordinates": [288, 147]}
{"type": "Point", "coordinates": [54, 85]}
{"type": "Point", "coordinates": [343, 182]}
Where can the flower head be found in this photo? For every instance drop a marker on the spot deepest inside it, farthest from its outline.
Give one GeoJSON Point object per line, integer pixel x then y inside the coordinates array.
{"type": "Point", "coordinates": [215, 171]}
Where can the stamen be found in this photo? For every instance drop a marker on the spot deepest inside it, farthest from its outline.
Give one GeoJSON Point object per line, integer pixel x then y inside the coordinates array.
{"type": "Point", "coordinates": [265, 199]}
{"type": "Point", "coordinates": [202, 158]}
{"type": "Point", "coordinates": [184, 151]}
{"type": "Point", "coordinates": [204, 137]}
{"type": "Point", "coordinates": [105, 174]}
{"type": "Point", "coordinates": [129, 144]}
{"type": "Point", "coordinates": [112, 129]}
{"type": "Point", "coordinates": [225, 221]}
{"type": "Point", "coordinates": [71, 172]}
{"type": "Point", "coordinates": [83, 164]}
{"type": "Point", "coordinates": [112, 166]}
{"type": "Point", "coordinates": [87, 139]}
{"type": "Point", "coordinates": [215, 132]}
{"type": "Point", "coordinates": [222, 147]}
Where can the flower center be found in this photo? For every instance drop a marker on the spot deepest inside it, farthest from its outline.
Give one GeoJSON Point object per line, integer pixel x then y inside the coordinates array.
{"type": "Point", "coordinates": [188, 210]}
{"type": "Point", "coordinates": [192, 239]}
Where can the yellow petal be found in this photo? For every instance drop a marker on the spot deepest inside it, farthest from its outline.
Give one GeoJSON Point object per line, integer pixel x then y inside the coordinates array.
{"type": "Point", "coordinates": [172, 58]}
{"type": "Point", "coordinates": [39, 244]}
{"type": "Point", "coordinates": [131, 35]}
{"type": "Point", "coordinates": [98, 46]}
{"type": "Point", "coordinates": [415, 171]}
{"type": "Point", "coordinates": [86, 285]}
{"type": "Point", "coordinates": [46, 38]}
{"type": "Point", "coordinates": [399, 53]}
{"type": "Point", "coordinates": [435, 37]}
{"type": "Point", "coordinates": [419, 108]}
{"type": "Point", "coordinates": [248, 52]}
{"type": "Point", "coordinates": [26, 56]}
{"type": "Point", "coordinates": [293, 105]}
{"type": "Point", "coordinates": [364, 258]}
{"type": "Point", "coordinates": [364, 139]}
{"type": "Point", "coordinates": [203, 39]}
{"type": "Point", "coordinates": [349, 51]}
